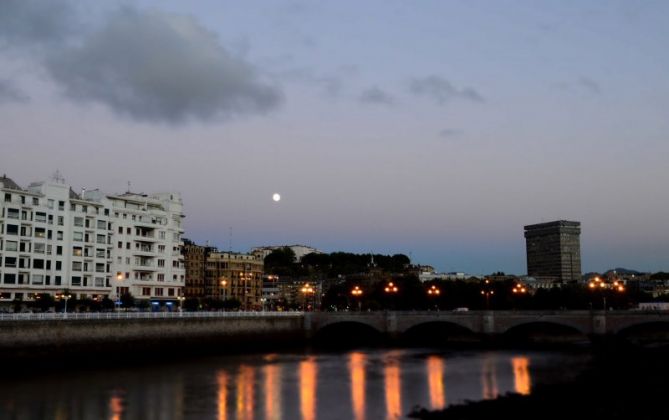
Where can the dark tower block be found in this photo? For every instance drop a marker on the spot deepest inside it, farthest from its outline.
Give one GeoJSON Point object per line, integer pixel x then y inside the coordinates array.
{"type": "Point", "coordinates": [554, 251]}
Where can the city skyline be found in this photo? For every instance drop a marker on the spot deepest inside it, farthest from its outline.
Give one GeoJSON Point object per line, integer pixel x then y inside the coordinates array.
{"type": "Point", "coordinates": [437, 131]}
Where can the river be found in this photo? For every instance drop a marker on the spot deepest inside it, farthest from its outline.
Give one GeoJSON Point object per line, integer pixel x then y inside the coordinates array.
{"type": "Point", "coordinates": [363, 384]}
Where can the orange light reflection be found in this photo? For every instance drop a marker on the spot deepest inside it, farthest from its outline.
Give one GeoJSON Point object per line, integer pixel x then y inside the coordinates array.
{"type": "Point", "coordinates": [489, 378]}
{"type": "Point", "coordinates": [393, 389]}
{"type": "Point", "coordinates": [357, 370]}
{"type": "Point", "coordinates": [116, 407]}
{"type": "Point", "coordinates": [308, 372]}
{"type": "Point", "coordinates": [521, 375]}
{"type": "Point", "coordinates": [222, 381]}
{"type": "Point", "coordinates": [245, 392]}
{"type": "Point", "coordinates": [435, 379]}
{"type": "Point", "coordinates": [272, 392]}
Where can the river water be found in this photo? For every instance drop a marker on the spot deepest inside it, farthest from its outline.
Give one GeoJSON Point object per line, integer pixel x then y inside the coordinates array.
{"type": "Point", "coordinates": [363, 384]}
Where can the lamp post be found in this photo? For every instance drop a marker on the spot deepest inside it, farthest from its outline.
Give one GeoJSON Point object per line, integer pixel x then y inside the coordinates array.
{"type": "Point", "coordinates": [486, 292]}
{"type": "Point", "coordinates": [65, 297]}
{"type": "Point", "coordinates": [357, 294]}
{"type": "Point", "coordinates": [181, 300]}
{"type": "Point", "coordinates": [306, 290]}
{"type": "Point", "coordinates": [434, 291]}
{"type": "Point", "coordinates": [224, 283]}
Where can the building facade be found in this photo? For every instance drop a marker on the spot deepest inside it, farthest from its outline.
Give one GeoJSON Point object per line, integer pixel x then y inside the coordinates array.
{"type": "Point", "coordinates": [195, 261]}
{"type": "Point", "coordinates": [231, 275]}
{"type": "Point", "coordinates": [554, 251]}
{"type": "Point", "coordinates": [91, 244]}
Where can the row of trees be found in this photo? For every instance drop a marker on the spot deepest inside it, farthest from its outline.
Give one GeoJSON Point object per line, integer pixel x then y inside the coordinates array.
{"type": "Point", "coordinates": [282, 262]}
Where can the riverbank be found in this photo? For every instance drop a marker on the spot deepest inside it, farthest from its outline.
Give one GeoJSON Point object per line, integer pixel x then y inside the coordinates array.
{"type": "Point", "coordinates": [618, 384]}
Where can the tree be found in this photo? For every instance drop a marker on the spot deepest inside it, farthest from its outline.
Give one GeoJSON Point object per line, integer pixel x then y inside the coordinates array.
{"type": "Point", "coordinates": [280, 261]}
{"type": "Point", "coordinates": [127, 300]}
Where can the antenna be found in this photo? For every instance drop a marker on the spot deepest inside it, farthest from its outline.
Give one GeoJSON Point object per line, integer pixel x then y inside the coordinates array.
{"type": "Point", "coordinates": [230, 240]}
{"type": "Point", "coordinates": [128, 186]}
{"type": "Point", "coordinates": [57, 177]}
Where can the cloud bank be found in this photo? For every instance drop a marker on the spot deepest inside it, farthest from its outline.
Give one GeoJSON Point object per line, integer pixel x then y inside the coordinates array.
{"type": "Point", "coordinates": [441, 90]}
{"type": "Point", "coordinates": [375, 95]}
{"type": "Point", "coordinates": [146, 65]}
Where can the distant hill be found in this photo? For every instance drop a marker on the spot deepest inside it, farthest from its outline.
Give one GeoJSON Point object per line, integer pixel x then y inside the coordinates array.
{"type": "Point", "coordinates": [624, 271]}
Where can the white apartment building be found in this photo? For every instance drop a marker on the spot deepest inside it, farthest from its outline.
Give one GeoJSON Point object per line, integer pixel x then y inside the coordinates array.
{"type": "Point", "coordinates": [299, 250]}
{"type": "Point", "coordinates": [92, 244]}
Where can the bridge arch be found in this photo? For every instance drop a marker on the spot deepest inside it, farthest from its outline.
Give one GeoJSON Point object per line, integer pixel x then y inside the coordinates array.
{"type": "Point", "coordinates": [544, 332]}
{"type": "Point", "coordinates": [645, 334]}
{"type": "Point", "coordinates": [438, 332]}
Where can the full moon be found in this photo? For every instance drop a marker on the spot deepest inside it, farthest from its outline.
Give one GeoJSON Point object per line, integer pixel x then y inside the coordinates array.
{"type": "Point", "coordinates": [276, 197]}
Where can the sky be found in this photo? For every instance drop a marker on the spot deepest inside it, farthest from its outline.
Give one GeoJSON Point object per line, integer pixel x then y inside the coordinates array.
{"type": "Point", "coordinates": [437, 129]}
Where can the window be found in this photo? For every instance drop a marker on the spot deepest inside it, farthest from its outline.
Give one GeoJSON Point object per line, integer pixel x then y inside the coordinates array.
{"type": "Point", "coordinates": [77, 251]}
{"type": "Point", "coordinates": [128, 231]}
{"type": "Point", "coordinates": [100, 253]}
{"type": "Point", "coordinates": [59, 250]}
{"type": "Point", "coordinates": [161, 277]}
{"type": "Point", "coordinates": [38, 279]}
{"type": "Point", "coordinates": [50, 203]}
{"type": "Point", "coordinates": [161, 248]}
{"type": "Point", "coordinates": [76, 265]}
{"type": "Point", "coordinates": [57, 281]}
{"type": "Point", "coordinates": [99, 282]}
{"type": "Point", "coordinates": [76, 281]}
{"type": "Point", "coordinates": [59, 235]}
{"type": "Point", "coordinates": [61, 221]}
{"type": "Point", "coordinates": [40, 232]}
{"type": "Point", "coordinates": [162, 234]}
{"type": "Point", "coordinates": [10, 278]}
{"type": "Point", "coordinates": [127, 245]}
{"type": "Point", "coordinates": [79, 221]}
{"type": "Point", "coordinates": [120, 245]}
{"type": "Point", "coordinates": [39, 248]}
{"type": "Point", "coordinates": [59, 265]}
{"type": "Point", "coordinates": [99, 268]}
{"type": "Point", "coordinates": [13, 213]}
{"type": "Point", "coordinates": [77, 236]}
{"type": "Point", "coordinates": [10, 261]}
{"type": "Point", "coordinates": [146, 291]}
{"type": "Point", "coordinates": [12, 229]}
{"type": "Point", "coordinates": [170, 292]}
{"type": "Point", "coordinates": [38, 263]}
{"type": "Point", "coordinates": [61, 205]}
{"type": "Point", "coordinates": [11, 246]}
{"type": "Point", "coordinates": [161, 263]}
{"type": "Point", "coordinates": [40, 217]}
{"type": "Point", "coordinates": [35, 201]}
{"type": "Point", "coordinates": [8, 198]}
{"type": "Point", "coordinates": [120, 230]}
{"type": "Point", "coordinates": [159, 291]}
{"type": "Point", "coordinates": [101, 239]}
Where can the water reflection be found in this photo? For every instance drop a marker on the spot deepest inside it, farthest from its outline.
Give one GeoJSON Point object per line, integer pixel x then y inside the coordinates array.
{"type": "Point", "coordinates": [272, 391]}
{"type": "Point", "coordinates": [357, 368]}
{"type": "Point", "coordinates": [362, 385]}
{"type": "Point", "coordinates": [521, 374]}
{"type": "Point", "coordinates": [222, 382]}
{"type": "Point", "coordinates": [308, 372]}
{"type": "Point", "coordinates": [245, 392]}
{"type": "Point", "coordinates": [393, 386]}
{"type": "Point", "coordinates": [489, 377]}
{"type": "Point", "coordinates": [435, 379]}
{"type": "Point", "coordinates": [115, 407]}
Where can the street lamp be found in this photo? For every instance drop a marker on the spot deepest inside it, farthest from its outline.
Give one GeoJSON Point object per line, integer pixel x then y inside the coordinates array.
{"type": "Point", "coordinates": [519, 289]}
{"type": "Point", "coordinates": [391, 288]}
{"type": "Point", "coordinates": [434, 291]}
{"type": "Point", "coordinates": [181, 300]}
{"type": "Point", "coordinates": [357, 293]}
{"type": "Point", "coordinates": [306, 290]}
{"type": "Point", "coordinates": [487, 291]}
{"type": "Point", "coordinates": [223, 284]}
{"type": "Point", "coordinates": [65, 296]}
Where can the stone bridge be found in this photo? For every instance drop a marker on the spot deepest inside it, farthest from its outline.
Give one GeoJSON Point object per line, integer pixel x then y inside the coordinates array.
{"type": "Point", "coordinates": [394, 324]}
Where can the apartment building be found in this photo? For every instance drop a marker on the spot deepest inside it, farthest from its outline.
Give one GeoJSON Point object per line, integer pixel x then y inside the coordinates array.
{"type": "Point", "coordinates": [92, 244]}
{"type": "Point", "coordinates": [231, 275]}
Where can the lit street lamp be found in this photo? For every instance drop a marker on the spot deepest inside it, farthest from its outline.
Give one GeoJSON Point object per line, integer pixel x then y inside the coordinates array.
{"type": "Point", "coordinates": [519, 289]}
{"type": "Point", "coordinates": [487, 291]}
{"type": "Point", "coordinates": [391, 288]}
{"type": "Point", "coordinates": [181, 300]}
{"type": "Point", "coordinates": [66, 297]}
{"type": "Point", "coordinates": [434, 291]}
{"type": "Point", "coordinates": [357, 293]}
{"type": "Point", "coordinates": [306, 290]}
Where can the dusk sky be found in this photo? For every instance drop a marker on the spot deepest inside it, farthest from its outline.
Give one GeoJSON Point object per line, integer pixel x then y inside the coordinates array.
{"type": "Point", "coordinates": [437, 129]}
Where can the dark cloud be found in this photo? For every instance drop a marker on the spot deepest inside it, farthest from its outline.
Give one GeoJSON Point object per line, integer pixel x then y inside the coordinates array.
{"type": "Point", "coordinates": [35, 22]}
{"type": "Point", "coordinates": [589, 85]}
{"type": "Point", "coordinates": [153, 66]}
{"type": "Point", "coordinates": [449, 133]}
{"type": "Point", "coordinates": [10, 93]}
{"type": "Point", "coordinates": [441, 90]}
{"type": "Point", "coordinates": [375, 95]}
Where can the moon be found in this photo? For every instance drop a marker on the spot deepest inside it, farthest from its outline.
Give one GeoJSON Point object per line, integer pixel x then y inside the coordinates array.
{"type": "Point", "coordinates": [276, 197]}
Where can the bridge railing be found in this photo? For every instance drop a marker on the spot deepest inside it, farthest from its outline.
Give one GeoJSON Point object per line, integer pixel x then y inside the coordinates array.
{"type": "Point", "coordinates": [143, 315]}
